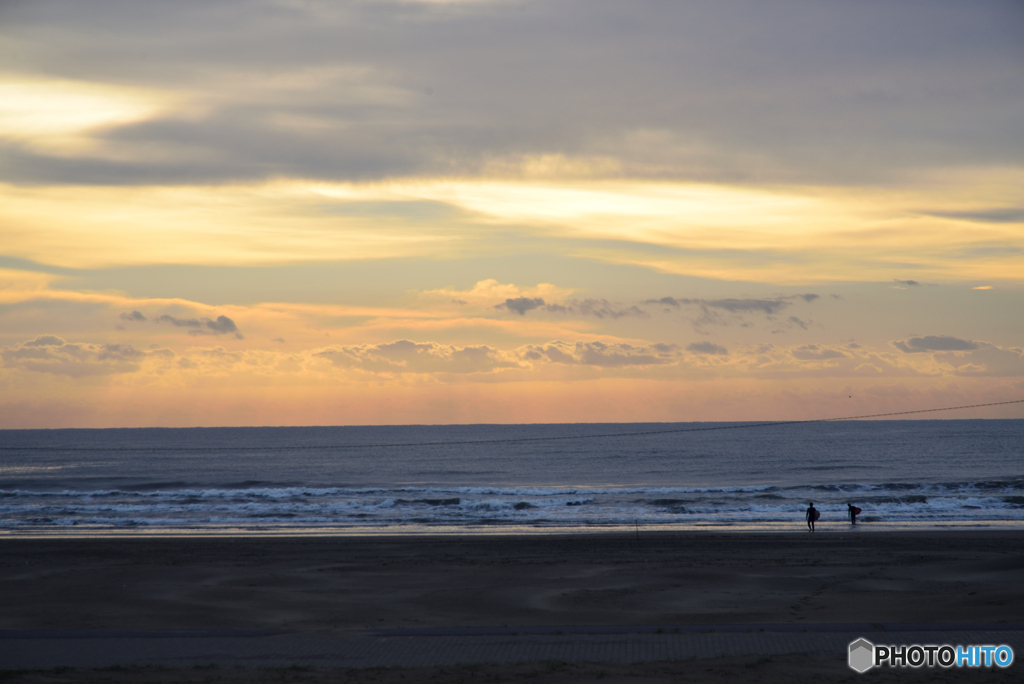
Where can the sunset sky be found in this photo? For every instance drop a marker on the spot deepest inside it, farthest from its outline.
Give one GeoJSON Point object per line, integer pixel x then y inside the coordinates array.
{"type": "Point", "coordinates": [304, 212]}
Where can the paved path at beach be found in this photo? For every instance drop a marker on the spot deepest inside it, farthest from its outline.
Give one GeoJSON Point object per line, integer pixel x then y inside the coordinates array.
{"type": "Point", "coordinates": [24, 649]}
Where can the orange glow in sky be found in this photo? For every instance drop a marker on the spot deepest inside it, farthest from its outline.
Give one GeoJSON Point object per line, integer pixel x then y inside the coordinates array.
{"type": "Point", "coordinates": [396, 215]}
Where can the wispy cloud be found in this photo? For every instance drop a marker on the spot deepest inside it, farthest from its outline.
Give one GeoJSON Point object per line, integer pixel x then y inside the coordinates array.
{"type": "Point", "coordinates": [521, 305]}
{"type": "Point", "coordinates": [598, 308]}
{"type": "Point", "coordinates": [600, 354]}
{"type": "Point", "coordinates": [200, 326]}
{"type": "Point", "coordinates": [707, 348]}
{"type": "Point", "coordinates": [813, 352]}
{"type": "Point", "coordinates": [405, 356]}
{"type": "Point", "coordinates": [930, 343]}
{"type": "Point", "coordinates": [765, 306]}
{"type": "Point", "coordinates": [54, 355]}
{"type": "Point", "coordinates": [726, 312]}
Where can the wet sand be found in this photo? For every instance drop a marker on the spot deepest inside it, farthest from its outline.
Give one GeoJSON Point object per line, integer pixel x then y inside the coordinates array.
{"type": "Point", "coordinates": [352, 584]}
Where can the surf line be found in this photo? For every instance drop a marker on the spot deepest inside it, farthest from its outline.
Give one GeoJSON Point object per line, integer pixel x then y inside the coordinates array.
{"type": "Point", "coordinates": [516, 440]}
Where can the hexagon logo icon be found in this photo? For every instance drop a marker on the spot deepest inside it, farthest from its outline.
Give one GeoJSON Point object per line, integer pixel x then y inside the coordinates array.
{"type": "Point", "coordinates": [862, 655]}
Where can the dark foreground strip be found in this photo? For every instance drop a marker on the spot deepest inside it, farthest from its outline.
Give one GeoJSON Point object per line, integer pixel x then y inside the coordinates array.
{"type": "Point", "coordinates": [38, 649]}
{"type": "Point", "coordinates": [865, 627]}
{"type": "Point", "coordinates": [556, 630]}
{"type": "Point", "coordinates": [127, 634]}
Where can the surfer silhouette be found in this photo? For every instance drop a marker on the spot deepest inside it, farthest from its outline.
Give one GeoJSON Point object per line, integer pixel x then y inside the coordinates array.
{"type": "Point", "coordinates": [812, 516]}
{"type": "Point", "coordinates": [854, 512]}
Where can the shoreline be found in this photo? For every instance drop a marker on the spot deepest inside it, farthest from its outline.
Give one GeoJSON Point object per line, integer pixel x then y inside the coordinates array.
{"type": "Point", "coordinates": [780, 528]}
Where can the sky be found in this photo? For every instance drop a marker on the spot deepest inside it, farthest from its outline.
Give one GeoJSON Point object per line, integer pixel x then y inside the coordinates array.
{"type": "Point", "coordinates": [304, 212]}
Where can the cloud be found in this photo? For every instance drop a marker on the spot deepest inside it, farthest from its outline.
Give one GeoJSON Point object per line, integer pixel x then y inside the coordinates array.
{"type": "Point", "coordinates": [766, 306]}
{"type": "Point", "coordinates": [405, 356]}
{"type": "Point", "coordinates": [599, 308]}
{"type": "Point", "coordinates": [812, 352]}
{"type": "Point", "coordinates": [179, 322]}
{"type": "Point", "coordinates": [618, 355]}
{"type": "Point", "coordinates": [550, 352]}
{"type": "Point", "coordinates": [54, 355]}
{"type": "Point", "coordinates": [930, 343]}
{"type": "Point", "coordinates": [223, 324]}
{"type": "Point", "coordinates": [733, 311]}
{"type": "Point", "coordinates": [45, 341]}
{"type": "Point", "coordinates": [967, 357]}
{"type": "Point", "coordinates": [426, 87]}
{"type": "Point", "coordinates": [133, 316]}
{"type": "Point", "coordinates": [484, 292]}
{"type": "Point", "coordinates": [707, 348]}
{"type": "Point", "coordinates": [987, 360]}
{"type": "Point", "coordinates": [202, 326]}
{"type": "Point", "coordinates": [600, 354]}
{"type": "Point", "coordinates": [998, 215]}
{"type": "Point", "coordinates": [909, 283]}
{"type": "Point", "coordinates": [521, 305]}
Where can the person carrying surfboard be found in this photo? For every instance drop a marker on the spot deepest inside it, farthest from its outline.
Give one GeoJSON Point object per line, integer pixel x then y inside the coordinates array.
{"type": "Point", "coordinates": [854, 512]}
{"type": "Point", "coordinates": [812, 516]}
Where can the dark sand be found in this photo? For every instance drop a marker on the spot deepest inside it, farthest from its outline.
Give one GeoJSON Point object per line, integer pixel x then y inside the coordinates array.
{"type": "Point", "coordinates": [750, 670]}
{"type": "Point", "coordinates": [341, 584]}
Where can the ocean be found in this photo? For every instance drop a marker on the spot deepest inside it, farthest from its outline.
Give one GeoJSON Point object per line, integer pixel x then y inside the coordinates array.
{"type": "Point", "coordinates": [511, 478]}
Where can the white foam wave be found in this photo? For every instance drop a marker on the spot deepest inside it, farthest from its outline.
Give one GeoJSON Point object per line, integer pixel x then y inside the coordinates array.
{"type": "Point", "coordinates": [389, 506]}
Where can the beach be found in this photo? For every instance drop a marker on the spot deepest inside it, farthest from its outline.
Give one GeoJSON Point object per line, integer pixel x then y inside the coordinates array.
{"type": "Point", "coordinates": [342, 583]}
{"type": "Point", "coordinates": [348, 585]}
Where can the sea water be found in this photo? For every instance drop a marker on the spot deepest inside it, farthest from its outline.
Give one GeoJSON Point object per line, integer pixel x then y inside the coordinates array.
{"type": "Point", "coordinates": [495, 478]}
